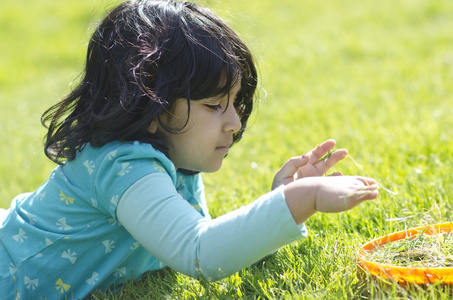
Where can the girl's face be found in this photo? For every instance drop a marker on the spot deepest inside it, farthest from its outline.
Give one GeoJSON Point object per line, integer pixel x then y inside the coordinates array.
{"type": "Point", "coordinates": [204, 142]}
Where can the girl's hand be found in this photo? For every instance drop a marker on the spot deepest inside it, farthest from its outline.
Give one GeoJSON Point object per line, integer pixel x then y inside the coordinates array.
{"type": "Point", "coordinates": [309, 164]}
{"type": "Point", "coordinates": [329, 194]}
{"type": "Point", "coordinates": [337, 194]}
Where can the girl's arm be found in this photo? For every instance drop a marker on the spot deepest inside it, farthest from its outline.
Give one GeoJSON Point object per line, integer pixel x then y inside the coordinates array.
{"type": "Point", "coordinates": [176, 234]}
{"type": "Point", "coordinates": [169, 228]}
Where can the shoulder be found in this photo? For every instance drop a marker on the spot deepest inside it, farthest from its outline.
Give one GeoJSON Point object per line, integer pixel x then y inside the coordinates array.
{"type": "Point", "coordinates": [125, 159]}
{"type": "Point", "coordinates": [115, 167]}
{"type": "Point", "coordinates": [115, 150]}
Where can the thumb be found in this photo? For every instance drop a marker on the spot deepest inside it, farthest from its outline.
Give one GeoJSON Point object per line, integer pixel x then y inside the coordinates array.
{"type": "Point", "coordinates": [293, 164]}
{"type": "Point", "coordinates": [286, 173]}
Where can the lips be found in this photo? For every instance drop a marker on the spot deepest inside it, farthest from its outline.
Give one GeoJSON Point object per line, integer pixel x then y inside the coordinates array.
{"type": "Point", "coordinates": [223, 148]}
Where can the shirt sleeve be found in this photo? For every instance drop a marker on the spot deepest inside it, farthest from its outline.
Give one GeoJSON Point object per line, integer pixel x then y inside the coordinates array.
{"type": "Point", "coordinates": [175, 233]}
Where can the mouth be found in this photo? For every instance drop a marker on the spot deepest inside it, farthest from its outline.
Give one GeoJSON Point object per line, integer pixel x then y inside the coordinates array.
{"type": "Point", "coordinates": [225, 145]}
{"type": "Point", "coordinates": [223, 148]}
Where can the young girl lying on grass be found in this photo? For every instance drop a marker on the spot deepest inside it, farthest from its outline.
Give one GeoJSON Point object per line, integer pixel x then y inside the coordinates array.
{"type": "Point", "coordinates": [167, 90]}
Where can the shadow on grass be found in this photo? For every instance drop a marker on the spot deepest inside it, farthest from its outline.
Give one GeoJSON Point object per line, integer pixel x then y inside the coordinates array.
{"type": "Point", "coordinates": [249, 283]}
{"type": "Point", "coordinates": [153, 285]}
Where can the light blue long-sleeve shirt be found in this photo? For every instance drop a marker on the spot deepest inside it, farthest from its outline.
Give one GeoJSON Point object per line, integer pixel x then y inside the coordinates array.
{"type": "Point", "coordinates": [120, 210]}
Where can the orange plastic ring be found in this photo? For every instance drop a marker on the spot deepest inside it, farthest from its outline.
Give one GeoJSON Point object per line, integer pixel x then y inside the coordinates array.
{"type": "Point", "coordinates": [406, 274]}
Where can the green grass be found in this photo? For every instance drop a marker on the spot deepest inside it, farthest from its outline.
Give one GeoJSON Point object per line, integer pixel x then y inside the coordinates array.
{"type": "Point", "coordinates": [374, 75]}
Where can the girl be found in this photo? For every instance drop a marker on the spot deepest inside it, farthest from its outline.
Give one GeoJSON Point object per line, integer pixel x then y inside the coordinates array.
{"type": "Point", "coordinates": [167, 90]}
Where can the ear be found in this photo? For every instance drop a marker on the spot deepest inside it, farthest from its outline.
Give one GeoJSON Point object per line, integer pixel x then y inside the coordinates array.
{"type": "Point", "coordinates": [152, 128]}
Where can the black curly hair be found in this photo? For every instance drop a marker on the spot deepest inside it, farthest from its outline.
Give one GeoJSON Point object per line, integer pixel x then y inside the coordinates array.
{"type": "Point", "coordinates": [143, 56]}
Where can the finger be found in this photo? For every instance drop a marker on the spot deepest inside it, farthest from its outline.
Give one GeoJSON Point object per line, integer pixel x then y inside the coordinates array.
{"type": "Point", "coordinates": [364, 193]}
{"type": "Point", "coordinates": [369, 192]}
{"type": "Point", "coordinates": [291, 166]}
{"type": "Point", "coordinates": [325, 164]}
{"type": "Point", "coordinates": [320, 151]}
{"type": "Point", "coordinates": [335, 157]}
{"type": "Point", "coordinates": [367, 181]}
{"type": "Point", "coordinates": [286, 173]}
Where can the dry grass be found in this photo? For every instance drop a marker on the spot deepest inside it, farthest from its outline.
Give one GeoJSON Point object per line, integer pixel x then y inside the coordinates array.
{"type": "Point", "coordinates": [419, 251]}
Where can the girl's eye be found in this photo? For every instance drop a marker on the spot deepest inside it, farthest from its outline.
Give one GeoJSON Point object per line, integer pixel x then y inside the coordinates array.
{"type": "Point", "coordinates": [214, 107]}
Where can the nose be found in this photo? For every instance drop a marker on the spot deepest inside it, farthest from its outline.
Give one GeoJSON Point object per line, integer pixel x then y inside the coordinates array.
{"type": "Point", "coordinates": [232, 122]}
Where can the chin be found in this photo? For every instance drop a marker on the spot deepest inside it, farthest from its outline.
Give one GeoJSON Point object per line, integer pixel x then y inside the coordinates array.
{"type": "Point", "coordinates": [211, 169]}
{"type": "Point", "coordinates": [202, 169]}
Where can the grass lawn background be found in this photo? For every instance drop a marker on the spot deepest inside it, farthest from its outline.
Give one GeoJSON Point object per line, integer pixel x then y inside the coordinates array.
{"type": "Point", "coordinates": [377, 76]}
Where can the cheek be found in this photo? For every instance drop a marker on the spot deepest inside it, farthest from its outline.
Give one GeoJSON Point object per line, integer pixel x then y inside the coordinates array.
{"type": "Point", "coordinates": [177, 115]}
